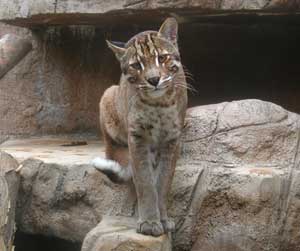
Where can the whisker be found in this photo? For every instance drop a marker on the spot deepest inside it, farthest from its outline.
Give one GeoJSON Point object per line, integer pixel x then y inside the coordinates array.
{"type": "Point", "coordinates": [187, 86]}
{"type": "Point", "coordinates": [182, 81]}
{"type": "Point", "coordinates": [187, 77]}
{"type": "Point", "coordinates": [190, 90]}
{"type": "Point", "coordinates": [190, 78]}
{"type": "Point", "coordinates": [187, 73]}
{"type": "Point", "coordinates": [184, 67]}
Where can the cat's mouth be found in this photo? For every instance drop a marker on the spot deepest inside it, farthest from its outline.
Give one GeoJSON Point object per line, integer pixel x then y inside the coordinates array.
{"type": "Point", "coordinates": [163, 84]}
{"type": "Point", "coordinates": [158, 90]}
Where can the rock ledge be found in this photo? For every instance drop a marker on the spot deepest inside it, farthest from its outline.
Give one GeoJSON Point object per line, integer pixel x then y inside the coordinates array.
{"type": "Point", "coordinates": [119, 234]}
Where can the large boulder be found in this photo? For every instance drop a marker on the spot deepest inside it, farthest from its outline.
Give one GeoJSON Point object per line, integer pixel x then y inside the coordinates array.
{"type": "Point", "coordinates": [67, 201]}
{"type": "Point", "coordinates": [57, 90]}
{"type": "Point", "coordinates": [49, 12]}
{"type": "Point", "coordinates": [248, 151]}
{"type": "Point", "coordinates": [119, 234]}
{"type": "Point", "coordinates": [12, 50]}
{"type": "Point", "coordinates": [236, 185]}
{"type": "Point", "coordinates": [9, 184]}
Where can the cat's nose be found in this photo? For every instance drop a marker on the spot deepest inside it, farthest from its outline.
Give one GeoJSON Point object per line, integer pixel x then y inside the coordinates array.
{"type": "Point", "coordinates": [153, 81]}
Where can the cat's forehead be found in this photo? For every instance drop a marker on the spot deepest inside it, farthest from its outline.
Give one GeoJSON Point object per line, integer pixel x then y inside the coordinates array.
{"type": "Point", "coordinates": [147, 44]}
{"type": "Point", "coordinates": [141, 38]}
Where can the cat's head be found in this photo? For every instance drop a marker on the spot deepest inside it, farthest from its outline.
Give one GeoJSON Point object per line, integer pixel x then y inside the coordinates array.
{"type": "Point", "coordinates": [150, 60]}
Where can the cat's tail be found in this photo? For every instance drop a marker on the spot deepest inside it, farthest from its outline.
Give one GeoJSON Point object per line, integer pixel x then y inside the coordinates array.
{"type": "Point", "coordinates": [112, 169]}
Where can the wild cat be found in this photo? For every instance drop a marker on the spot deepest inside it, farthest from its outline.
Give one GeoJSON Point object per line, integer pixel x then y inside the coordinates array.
{"type": "Point", "coordinates": [142, 119]}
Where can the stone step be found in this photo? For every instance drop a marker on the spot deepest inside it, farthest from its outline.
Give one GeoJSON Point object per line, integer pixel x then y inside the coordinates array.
{"type": "Point", "coordinates": [236, 186]}
{"type": "Point", "coordinates": [119, 234]}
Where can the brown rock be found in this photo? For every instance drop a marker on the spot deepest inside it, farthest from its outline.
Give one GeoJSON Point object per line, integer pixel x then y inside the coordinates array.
{"type": "Point", "coordinates": [30, 12]}
{"type": "Point", "coordinates": [119, 234]}
{"type": "Point", "coordinates": [235, 176]}
{"type": "Point", "coordinates": [54, 90]}
{"type": "Point", "coordinates": [12, 50]}
{"type": "Point", "coordinates": [9, 184]}
{"type": "Point", "coordinates": [235, 185]}
{"type": "Point", "coordinates": [67, 200]}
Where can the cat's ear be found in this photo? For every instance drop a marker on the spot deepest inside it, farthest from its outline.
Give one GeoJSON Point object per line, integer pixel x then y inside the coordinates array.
{"type": "Point", "coordinates": [169, 29]}
{"type": "Point", "coordinates": [117, 48]}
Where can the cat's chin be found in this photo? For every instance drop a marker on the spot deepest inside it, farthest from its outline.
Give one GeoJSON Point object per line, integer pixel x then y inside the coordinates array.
{"type": "Point", "coordinates": [156, 94]}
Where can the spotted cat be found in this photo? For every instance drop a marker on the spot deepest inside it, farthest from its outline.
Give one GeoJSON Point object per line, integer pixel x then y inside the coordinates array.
{"type": "Point", "coordinates": [142, 119]}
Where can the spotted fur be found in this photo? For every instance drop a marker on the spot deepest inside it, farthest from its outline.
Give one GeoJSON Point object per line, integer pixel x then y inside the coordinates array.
{"type": "Point", "coordinates": [142, 119]}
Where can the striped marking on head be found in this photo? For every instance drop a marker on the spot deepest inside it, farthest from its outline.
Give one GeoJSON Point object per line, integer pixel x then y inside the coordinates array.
{"type": "Point", "coordinates": [150, 43]}
{"type": "Point", "coordinates": [138, 48]}
{"type": "Point", "coordinates": [145, 46]}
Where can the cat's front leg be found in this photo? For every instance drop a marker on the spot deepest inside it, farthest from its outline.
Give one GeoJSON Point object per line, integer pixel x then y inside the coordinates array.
{"type": "Point", "coordinates": [149, 216]}
{"type": "Point", "coordinates": [168, 156]}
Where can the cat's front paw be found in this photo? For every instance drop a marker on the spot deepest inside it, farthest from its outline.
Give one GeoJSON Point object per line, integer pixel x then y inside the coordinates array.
{"type": "Point", "coordinates": [168, 225]}
{"type": "Point", "coordinates": [154, 228]}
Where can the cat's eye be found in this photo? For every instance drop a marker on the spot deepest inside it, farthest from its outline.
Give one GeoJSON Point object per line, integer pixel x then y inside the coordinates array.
{"type": "Point", "coordinates": [132, 80]}
{"type": "Point", "coordinates": [136, 66]}
{"type": "Point", "coordinates": [174, 68]}
{"type": "Point", "coordinates": [162, 58]}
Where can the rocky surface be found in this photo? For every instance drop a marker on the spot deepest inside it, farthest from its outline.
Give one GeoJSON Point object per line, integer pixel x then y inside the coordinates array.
{"type": "Point", "coordinates": [236, 185]}
{"type": "Point", "coordinates": [119, 234]}
{"type": "Point", "coordinates": [67, 201]}
{"type": "Point", "coordinates": [58, 149]}
{"type": "Point", "coordinates": [249, 152]}
{"type": "Point", "coordinates": [12, 50]}
{"type": "Point", "coordinates": [9, 185]}
{"type": "Point", "coordinates": [52, 89]}
{"type": "Point", "coordinates": [47, 12]}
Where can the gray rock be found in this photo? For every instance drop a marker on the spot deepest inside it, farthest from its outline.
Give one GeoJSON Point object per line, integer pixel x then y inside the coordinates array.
{"type": "Point", "coordinates": [119, 234]}
{"type": "Point", "coordinates": [248, 157]}
{"type": "Point", "coordinates": [12, 50]}
{"type": "Point", "coordinates": [235, 187]}
{"type": "Point", "coordinates": [67, 201]}
{"type": "Point", "coordinates": [47, 87]}
{"type": "Point", "coordinates": [9, 184]}
{"type": "Point", "coordinates": [33, 12]}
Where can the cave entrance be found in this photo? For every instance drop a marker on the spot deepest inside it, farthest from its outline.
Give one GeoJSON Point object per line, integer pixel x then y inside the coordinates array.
{"type": "Point", "coordinates": [233, 62]}
{"type": "Point", "coordinates": [28, 242]}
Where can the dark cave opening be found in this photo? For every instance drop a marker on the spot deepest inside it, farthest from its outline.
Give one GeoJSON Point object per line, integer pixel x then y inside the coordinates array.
{"type": "Point", "coordinates": [28, 242]}
{"type": "Point", "coordinates": [232, 62]}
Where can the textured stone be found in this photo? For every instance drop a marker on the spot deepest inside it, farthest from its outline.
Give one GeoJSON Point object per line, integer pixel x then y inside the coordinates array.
{"type": "Point", "coordinates": [119, 234]}
{"type": "Point", "coordinates": [9, 184]}
{"type": "Point", "coordinates": [49, 12]}
{"type": "Point", "coordinates": [53, 90]}
{"type": "Point", "coordinates": [12, 50]}
{"type": "Point", "coordinates": [235, 187]}
{"type": "Point", "coordinates": [67, 201]}
{"type": "Point", "coordinates": [241, 197]}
